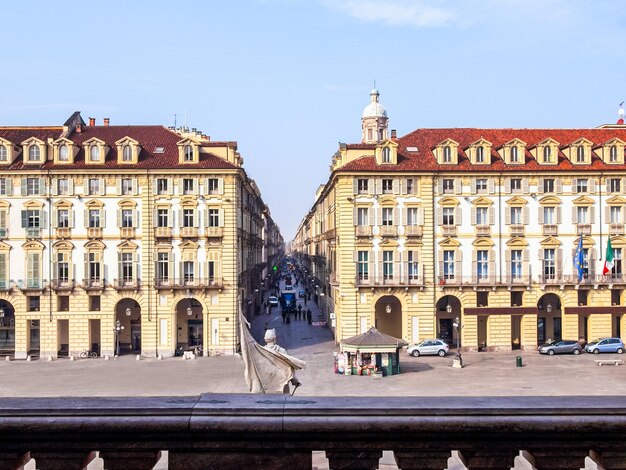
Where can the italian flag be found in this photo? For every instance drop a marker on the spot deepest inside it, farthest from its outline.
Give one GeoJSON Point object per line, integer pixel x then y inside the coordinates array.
{"type": "Point", "coordinates": [608, 259]}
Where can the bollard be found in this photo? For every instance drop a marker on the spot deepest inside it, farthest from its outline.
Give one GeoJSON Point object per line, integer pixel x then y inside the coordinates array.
{"type": "Point", "coordinates": [71, 358]}
{"type": "Point", "coordinates": [49, 358]}
{"type": "Point", "coordinates": [28, 358]}
{"type": "Point", "coordinates": [8, 359]}
{"type": "Point", "coordinates": [138, 358]}
{"type": "Point", "coordinates": [159, 357]}
{"type": "Point", "coordinates": [106, 357]}
{"type": "Point", "coordinates": [518, 361]}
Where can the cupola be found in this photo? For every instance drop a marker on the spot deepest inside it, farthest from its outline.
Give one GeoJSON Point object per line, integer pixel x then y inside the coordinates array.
{"type": "Point", "coordinates": [374, 120]}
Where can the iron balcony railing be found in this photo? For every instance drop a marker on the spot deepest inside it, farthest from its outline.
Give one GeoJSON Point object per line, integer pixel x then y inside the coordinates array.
{"type": "Point", "coordinates": [122, 284]}
{"type": "Point", "coordinates": [62, 284]}
{"type": "Point", "coordinates": [236, 431]}
{"type": "Point", "coordinates": [188, 282]}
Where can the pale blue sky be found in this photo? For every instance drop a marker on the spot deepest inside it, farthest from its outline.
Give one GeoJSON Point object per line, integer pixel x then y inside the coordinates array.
{"type": "Point", "coordinates": [288, 79]}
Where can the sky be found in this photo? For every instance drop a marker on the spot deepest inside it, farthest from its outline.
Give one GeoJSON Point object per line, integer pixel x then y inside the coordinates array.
{"type": "Point", "coordinates": [288, 79]}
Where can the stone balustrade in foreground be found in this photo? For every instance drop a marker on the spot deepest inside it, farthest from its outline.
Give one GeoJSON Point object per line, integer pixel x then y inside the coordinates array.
{"type": "Point", "coordinates": [246, 432]}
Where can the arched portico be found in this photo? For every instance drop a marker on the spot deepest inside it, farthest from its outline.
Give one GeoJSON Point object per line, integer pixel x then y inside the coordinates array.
{"type": "Point", "coordinates": [7, 328]}
{"type": "Point", "coordinates": [128, 314]}
{"type": "Point", "coordinates": [189, 326]}
{"type": "Point", "coordinates": [448, 309]}
{"type": "Point", "coordinates": [388, 316]}
{"type": "Point", "coordinates": [549, 318]}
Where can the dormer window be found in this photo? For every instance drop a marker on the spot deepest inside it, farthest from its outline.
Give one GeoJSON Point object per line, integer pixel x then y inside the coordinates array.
{"type": "Point", "coordinates": [34, 154]}
{"type": "Point", "coordinates": [612, 156]}
{"type": "Point", "coordinates": [94, 153]}
{"type": "Point", "coordinates": [188, 153]}
{"type": "Point", "coordinates": [580, 154]}
{"type": "Point", "coordinates": [127, 153]}
{"type": "Point", "coordinates": [480, 154]}
{"type": "Point", "coordinates": [447, 154]}
{"type": "Point", "coordinates": [63, 153]}
{"type": "Point", "coordinates": [547, 154]}
{"type": "Point", "coordinates": [514, 155]}
{"type": "Point", "coordinates": [4, 155]}
{"type": "Point", "coordinates": [386, 155]}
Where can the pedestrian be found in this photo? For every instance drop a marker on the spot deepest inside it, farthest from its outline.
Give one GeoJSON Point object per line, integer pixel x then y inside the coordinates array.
{"type": "Point", "coordinates": [299, 311]}
{"type": "Point", "coordinates": [266, 326]}
{"type": "Point", "coordinates": [309, 316]}
{"type": "Point", "coordinates": [305, 300]}
{"type": "Point", "coordinates": [284, 316]}
{"type": "Point", "coordinates": [267, 309]}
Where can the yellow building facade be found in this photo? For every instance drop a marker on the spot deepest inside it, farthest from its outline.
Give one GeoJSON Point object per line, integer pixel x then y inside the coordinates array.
{"type": "Point", "coordinates": [127, 239]}
{"type": "Point", "coordinates": [410, 234]}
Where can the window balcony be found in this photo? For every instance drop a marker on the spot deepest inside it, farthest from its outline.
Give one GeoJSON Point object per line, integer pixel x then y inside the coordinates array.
{"type": "Point", "coordinates": [616, 229]}
{"type": "Point", "coordinates": [396, 280]}
{"type": "Point", "coordinates": [583, 229]}
{"type": "Point", "coordinates": [27, 285]}
{"type": "Point", "coordinates": [5, 285]}
{"type": "Point", "coordinates": [516, 230]}
{"type": "Point", "coordinates": [163, 232]}
{"type": "Point", "coordinates": [94, 232]}
{"type": "Point", "coordinates": [172, 283]}
{"type": "Point", "coordinates": [33, 233]}
{"type": "Point", "coordinates": [63, 232]}
{"type": "Point", "coordinates": [62, 285]}
{"type": "Point", "coordinates": [413, 230]}
{"type": "Point", "coordinates": [615, 278]}
{"type": "Point", "coordinates": [189, 232]}
{"type": "Point", "coordinates": [448, 230]}
{"type": "Point", "coordinates": [93, 284]}
{"type": "Point", "coordinates": [388, 231]}
{"type": "Point", "coordinates": [126, 284]}
{"type": "Point", "coordinates": [550, 230]}
{"type": "Point", "coordinates": [4, 233]}
{"type": "Point", "coordinates": [483, 230]}
{"type": "Point", "coordinates": [494, 431]}
{"type": "Point", "coordinates": [363, 230]}
{"type": "Point", "coordinates": [214, 232]}
{"type": "Point", "coordinates": [127, 232]}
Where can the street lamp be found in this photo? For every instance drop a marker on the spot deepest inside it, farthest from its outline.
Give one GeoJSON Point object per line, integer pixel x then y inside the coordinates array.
{"type": "Point", "coordinates": [128, 312]}
{"type": "Point", "coordinates": [549, 308]}
{"type": "Point", "coordinates": [117, 329]}
{"type": "Point", "coordinates": [189, 311]}
{"type": "Point", "coordinates": [1, 313]}
{"type": "Point", "coordinates": [388, 308]}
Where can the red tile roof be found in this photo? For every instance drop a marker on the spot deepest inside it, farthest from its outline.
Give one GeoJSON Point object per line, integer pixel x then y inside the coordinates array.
{"type": "Point", "coordinates": [149, 138]}
{"type": "Point", "coordinates": [425, 140]}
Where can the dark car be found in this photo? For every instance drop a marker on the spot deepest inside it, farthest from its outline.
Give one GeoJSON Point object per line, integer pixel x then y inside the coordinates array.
{"type": "Point", "coordinates": [561, 347]}
{"type": "Point", "coordinates": [301, 293]}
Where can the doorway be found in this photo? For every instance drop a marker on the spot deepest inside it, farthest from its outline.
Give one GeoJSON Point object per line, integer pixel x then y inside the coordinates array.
{"type": "Point", "coordinates": [63, 338]}
{"type": "Point", "coordinates": [194, 333]}
{"type": "Point", "coordinates": [445, 330]}
{"type": "Point", "coordinates": [516, 332]}
{"type": "Point", "coordinates": [94, 335]}
{"type": "Point", "coordinates": [33, 338]}
{"type": "Point", "coordinates": [482, 332]}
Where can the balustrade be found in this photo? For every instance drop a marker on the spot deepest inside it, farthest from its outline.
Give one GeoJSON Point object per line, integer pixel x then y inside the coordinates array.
{"type": "Point", "coordinates": [234, 431]}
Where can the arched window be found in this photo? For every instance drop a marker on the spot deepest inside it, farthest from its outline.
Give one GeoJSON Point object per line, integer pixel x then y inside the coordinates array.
{"type": "Point", "coordinates": [94, 153]}
{"type": "Point", "coordinates": [547, 154]}
{"type": "Point", "coordinates": [386, 155]}
{"type": "Point", "coordinates": [63, 153]}
{"type": "Point", "coordinates": [127, 154]}
{"type": "Point", "coordinates": [480, 154]}
{"type": "Point", "coordinates": [447, 154]}
{"type": "Point", "coordinates": [3, 153]}
{"type": "Point", "coordinates": [514, 155]}
{"type": "Point", "coordinates": [33, 152]}
{"type": "Point", "coordinates": [188, 153]}
{"type": "Point", "coordinates": [580, 154]}
{"type": "Point", "coordinates": [613, 153]}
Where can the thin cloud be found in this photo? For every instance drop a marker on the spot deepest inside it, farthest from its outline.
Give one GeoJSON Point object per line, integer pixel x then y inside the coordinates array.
{"type": "Point", "coordinates": [394, 12]}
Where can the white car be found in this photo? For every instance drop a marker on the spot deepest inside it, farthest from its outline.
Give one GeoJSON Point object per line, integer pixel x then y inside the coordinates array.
{"type": "Point", "coordinates": [429, 346]}
{"type": "Point", "coordinates": [273, 301]}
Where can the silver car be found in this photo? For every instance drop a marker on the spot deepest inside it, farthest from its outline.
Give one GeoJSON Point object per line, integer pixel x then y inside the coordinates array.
{"type": "Point", "coordinates": [429, 346]}
{"type": "Point", "coordinates": [560, 347]}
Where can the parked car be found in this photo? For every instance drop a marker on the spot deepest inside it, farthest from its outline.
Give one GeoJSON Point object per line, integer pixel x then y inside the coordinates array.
{"type": "Point", "coordinates": [560, 347]}
{"type": "Point", "coordinates": [273, 301]}
{"type": "Point", "coordinates": [429, 346]}
{"type": "Point", "coordinates": [611, 345]}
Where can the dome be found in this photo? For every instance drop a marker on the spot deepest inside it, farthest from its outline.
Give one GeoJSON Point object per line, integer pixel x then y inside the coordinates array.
{"type": "Point", "coordinates": [374, 109]}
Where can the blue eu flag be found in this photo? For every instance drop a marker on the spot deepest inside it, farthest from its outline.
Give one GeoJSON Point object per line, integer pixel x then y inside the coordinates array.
{"type": "Point", "coordinates": [578, 259]}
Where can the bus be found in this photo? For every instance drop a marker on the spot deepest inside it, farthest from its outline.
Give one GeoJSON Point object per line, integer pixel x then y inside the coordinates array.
{"type": "Point", "coordinates": [288, 300]}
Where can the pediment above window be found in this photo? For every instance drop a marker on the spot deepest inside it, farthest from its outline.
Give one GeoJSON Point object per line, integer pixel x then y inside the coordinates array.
{"type": "Point", "coordinates": [483, 242]}
{"type": "Point", "coordinates": [95, 151]}
{"type": "Point", "coordinates": [616, 200]}
{"type": "Point", "coordinates": [34, 151]}
{"type": "Point", "coordinates": [612, 151]}
{"type": "Point", "coordinates": [448, 201]}
{"type": "Point", "coordinates": [516, 201]}
{"type": "Point", "coordinates": [517, 242]}
{"type": "Point", "coordinates": [447, 152]}
{"type": "Point", "coordinates": [188, 151]}
{"type": "Point", "coordinates": [128, 150]}
{"type": "Point", "coordinates": [449, 242]}
{"type": "Point", "coordinates": [127, 245]}
{"type": "Point", "coordinates": [546, 152]}
{"type": "Point", "coordinates": [387, 153]}
{"type": "Point", "coordinates": [94, 245]}
{"type": "Point", "coordinates": [479, 152]}
{"type": "Point", "coordinates": [583, 201]}
{"type": "Point", "coordinates": [64, 150]}
{"type": "Point", "coordinates": [550, 242]}
{"type": "Point", "coordinates": [549, 200]}
{"type": "Point", "coordinates": [482, 201]}
{"type": "Point", "coordinates": [514, 152]}
{"type": "Point", "coordinates": [8, 151]}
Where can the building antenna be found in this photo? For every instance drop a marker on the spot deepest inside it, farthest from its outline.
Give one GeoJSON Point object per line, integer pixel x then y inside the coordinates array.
{"type": "Point", "coordinates": [174, 120]}
{"type": "Point", "coordinates": [185, 117]}
{"type": "Point", "coordinates": [374, 84]}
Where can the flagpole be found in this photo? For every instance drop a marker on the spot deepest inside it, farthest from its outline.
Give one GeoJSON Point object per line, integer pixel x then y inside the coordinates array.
{"type": "Point", "coordinates": [600, 211]}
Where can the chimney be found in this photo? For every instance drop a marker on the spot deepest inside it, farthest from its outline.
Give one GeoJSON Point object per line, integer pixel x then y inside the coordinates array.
{"type": "Point", "coordinates": [393, 133]}
{"type": "Point", "coordinates": [78, 128]}
{"type": "Point", "coordinates": [106, 121]}
{"type": "Point", "coordinates": [92, 122]}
